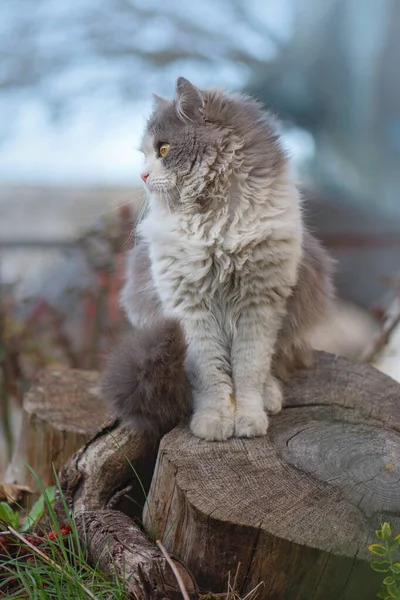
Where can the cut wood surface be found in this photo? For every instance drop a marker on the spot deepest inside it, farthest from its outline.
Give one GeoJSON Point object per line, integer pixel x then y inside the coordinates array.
{"type": "Point", "coordinates": [60, 413]}
{"type": "Point", "coordinates": [298, 508]}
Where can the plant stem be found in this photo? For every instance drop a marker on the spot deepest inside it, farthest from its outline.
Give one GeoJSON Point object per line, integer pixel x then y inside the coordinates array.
{"type": "Point", "coordinates": [390, 558]}
{"type": "Point", "coordinates": [174, 570]}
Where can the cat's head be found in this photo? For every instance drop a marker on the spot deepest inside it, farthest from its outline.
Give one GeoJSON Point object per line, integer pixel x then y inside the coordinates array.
{"type": "Point", "coordinates": [195, 144]}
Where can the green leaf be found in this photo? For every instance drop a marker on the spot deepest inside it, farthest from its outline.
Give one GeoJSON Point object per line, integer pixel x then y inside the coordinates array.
{"type": "Point", "coordinates": [386, 532]}
{"type": "Point", "coordinates": [381, 567]}
{"type": "Point", "coordinates": [393, 590]}
{"type": "Point", "coordinates": [377, 549]}
{"type": "Point", "coordinates": [382, 595]}
{"type": "Point", "coordinates": [395, 543]}
{"type": "Point", "coordinates": [38, 509]}
{"type": "Point", "coordinates": [8, 515]}
{"type": "Point", "coordinates": [379, 534]}
{"type": "Point", "coordinates": [388, 580]}
{"type": "Point", "coordinates": [395, 568]}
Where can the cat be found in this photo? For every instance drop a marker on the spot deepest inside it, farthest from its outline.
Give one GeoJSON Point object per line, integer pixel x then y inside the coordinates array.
{"type": "Point", "coordinates": [224, 254]}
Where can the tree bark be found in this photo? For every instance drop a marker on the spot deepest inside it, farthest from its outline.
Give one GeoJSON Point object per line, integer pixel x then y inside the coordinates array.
{"type": "Point", "coordinates": [60, 413]}
{"type": "Point", "coordinates": [112, 470]}
{"type": "Point", "coordinates": [118, 547]}
{"type": "Point", "coordinates": [298, 508]}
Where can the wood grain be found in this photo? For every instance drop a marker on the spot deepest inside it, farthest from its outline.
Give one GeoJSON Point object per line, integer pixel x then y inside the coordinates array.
{"type": "Point", "coordinates": [297, 508]}
{"type": "Point", "coordinates": [60, 413]}
{"type": "Point", "coordinates": [118, 547]}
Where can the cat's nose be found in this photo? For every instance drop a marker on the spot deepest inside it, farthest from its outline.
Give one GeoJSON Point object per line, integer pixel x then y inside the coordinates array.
{"type": "Point", "coordinates": [144, 176]}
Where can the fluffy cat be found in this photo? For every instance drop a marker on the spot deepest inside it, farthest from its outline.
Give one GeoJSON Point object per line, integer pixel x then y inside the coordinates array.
{"type": "Point", "coordinates": [223, 252]}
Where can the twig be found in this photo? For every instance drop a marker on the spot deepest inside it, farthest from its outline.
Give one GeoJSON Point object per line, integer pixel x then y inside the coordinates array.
{"type": "Point", "coordinates": [233, 593]}
{"type": "Point", "coordinates": [5, 383]}
{"type": "Point", "coordinates": [382, 338]}
{"type": "Point", "coordinates": [251, 595]}
{"type": "Point", "coordinates": [174, 569]}
{"type": "Point", "coordinates": [50, 561]}
{"type": "Point", "coordinates": [234, 587]}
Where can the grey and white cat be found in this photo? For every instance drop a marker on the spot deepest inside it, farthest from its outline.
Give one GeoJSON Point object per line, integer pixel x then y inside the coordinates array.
{"type": "Point", "coordinates": [222, 250]}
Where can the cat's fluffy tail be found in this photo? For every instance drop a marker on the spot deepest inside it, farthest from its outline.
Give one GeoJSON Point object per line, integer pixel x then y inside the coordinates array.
{"type": "Point", "coordinates": [145, 378]}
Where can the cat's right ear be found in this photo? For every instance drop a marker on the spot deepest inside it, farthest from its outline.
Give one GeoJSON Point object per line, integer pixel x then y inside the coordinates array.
{"type": "Point", "coordinates": [159, 101]}
{"type": "Point", "coordinates": [189, 101]}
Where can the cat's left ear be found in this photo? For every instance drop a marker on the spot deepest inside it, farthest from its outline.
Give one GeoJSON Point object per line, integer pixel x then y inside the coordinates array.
{"type": "Point", "coordinates": [160, 102]}
{"type": "Point", "coordinates": [189, 101]}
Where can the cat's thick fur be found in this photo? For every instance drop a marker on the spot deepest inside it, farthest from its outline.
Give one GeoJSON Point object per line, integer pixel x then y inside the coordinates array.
{"type": "Point", "coordinates": [145, 377]}
{"type": "Point", "coordinates": [223, 251]}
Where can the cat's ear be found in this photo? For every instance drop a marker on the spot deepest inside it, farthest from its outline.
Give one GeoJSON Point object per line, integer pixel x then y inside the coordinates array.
{"type": "Point", "coordinates": [160, 102]}
{"type": "Point", "coordinates": [189, 101]}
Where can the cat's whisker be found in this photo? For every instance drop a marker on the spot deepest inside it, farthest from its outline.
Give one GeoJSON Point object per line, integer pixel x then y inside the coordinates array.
{"type": "Point", "coordinates": [176, 185]}
{"type": "Point", "coordinates": [111, 206]}
{"type": "Point", "coordinates": [165, 197]}
{"type": "Point", "coordinates": [141, 211]}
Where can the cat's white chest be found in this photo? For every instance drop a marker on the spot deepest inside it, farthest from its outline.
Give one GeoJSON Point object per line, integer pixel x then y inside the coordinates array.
{"type": "Point", "coordinates": [188, 268]}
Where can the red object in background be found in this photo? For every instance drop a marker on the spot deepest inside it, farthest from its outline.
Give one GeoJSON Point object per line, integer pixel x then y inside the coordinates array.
{"type": "Point", "coordinates": [65, 530]}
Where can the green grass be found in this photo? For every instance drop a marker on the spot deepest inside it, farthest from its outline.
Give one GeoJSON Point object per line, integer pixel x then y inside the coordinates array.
{"type": "Point", "coordinates": [42, 566]}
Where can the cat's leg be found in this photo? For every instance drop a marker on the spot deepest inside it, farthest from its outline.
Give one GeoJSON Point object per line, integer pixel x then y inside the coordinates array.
{"type": "Point", "coordinates": [209, 372]}
{"type": "Point", "coordinates": [255, 387]}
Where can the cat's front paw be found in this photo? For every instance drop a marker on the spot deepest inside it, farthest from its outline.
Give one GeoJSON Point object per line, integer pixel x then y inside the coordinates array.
{"type": "Point", "coordinates": [251, 425]}
{"type": "Point", "coordinates": [212, 425]}
{"type": "Point", "coordinates": [273, 397]}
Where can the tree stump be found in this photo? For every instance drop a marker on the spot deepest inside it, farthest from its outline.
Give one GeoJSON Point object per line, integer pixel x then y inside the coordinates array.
{"type": "Point", "coordinates": [60, 414]}
{"type": "Point", "coordinates": [298, 508]}
{"type": "Point", "coordinates": [104, 465]}
{"type": "Point", "coordinates": [113, 470]}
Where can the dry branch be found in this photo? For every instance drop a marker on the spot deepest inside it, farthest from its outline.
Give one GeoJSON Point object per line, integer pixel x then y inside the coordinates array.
{"type": "Point", "coordinates": [119, 547]}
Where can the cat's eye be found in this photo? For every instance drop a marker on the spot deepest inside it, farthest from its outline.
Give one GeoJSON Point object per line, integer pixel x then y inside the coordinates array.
{"type": "Point", "coordinates": [163, 150]}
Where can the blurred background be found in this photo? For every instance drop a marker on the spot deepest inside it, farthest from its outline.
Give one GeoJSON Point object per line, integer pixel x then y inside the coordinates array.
{"type": "Point", "coordinates": [75, 89]}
